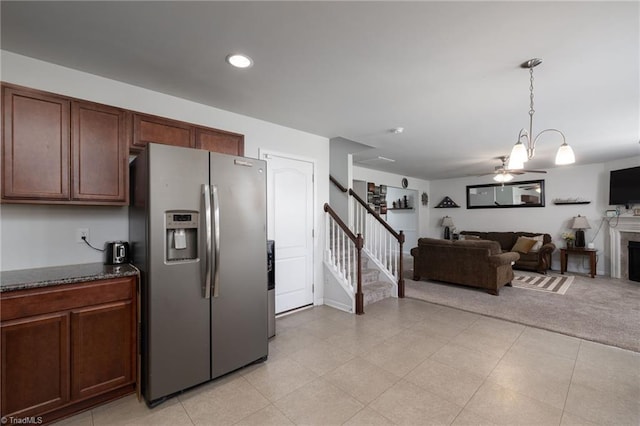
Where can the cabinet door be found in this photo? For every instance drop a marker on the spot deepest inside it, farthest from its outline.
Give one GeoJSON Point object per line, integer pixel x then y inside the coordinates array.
{"type": "Point", "coordinates": [35, 145]}
{"type": "Point", "coordinates": [148, 128]}
{"type": "Point", "coordinates": [35, 364]}
{"type": "Point", "coordinates": [219, 141]}
{"type": "Point", "coordinates": [103, 348]}
{"type": "Point", "coordinates": [100, 153]}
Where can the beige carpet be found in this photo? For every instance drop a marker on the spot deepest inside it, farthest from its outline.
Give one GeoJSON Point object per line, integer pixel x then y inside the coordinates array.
{"type": "Point", "coordinates": [599, 309]}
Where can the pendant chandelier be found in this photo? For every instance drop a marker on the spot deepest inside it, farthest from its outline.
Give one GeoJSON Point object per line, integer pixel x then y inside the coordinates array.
{"type": "Point", "coordinates": [525, 148]}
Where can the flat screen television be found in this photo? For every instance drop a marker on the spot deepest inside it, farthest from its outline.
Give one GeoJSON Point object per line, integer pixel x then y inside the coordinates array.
{"type": "Point", "coordinates": [624, 187]}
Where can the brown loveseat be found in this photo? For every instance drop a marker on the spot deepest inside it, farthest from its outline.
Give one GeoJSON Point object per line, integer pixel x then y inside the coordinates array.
{"type": "Point", "coordinates": [539, 260]}
{"type": "Point", "coordinates": [474, 263]}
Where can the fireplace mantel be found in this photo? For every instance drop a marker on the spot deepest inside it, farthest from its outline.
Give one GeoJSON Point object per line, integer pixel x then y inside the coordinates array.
{"type": "Point", "coordinates": [616, 227]}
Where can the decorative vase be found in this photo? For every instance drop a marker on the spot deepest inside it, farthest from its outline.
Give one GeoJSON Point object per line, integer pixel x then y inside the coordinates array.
{"type": "Point", "coordinates": [569, 243]}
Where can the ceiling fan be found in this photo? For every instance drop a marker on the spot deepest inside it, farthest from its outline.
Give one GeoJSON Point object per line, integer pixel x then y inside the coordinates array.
{"type": "Point", "coordinates": [503, 174]}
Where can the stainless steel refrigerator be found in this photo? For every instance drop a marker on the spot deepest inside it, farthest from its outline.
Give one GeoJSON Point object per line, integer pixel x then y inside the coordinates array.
{"type": "Point", "coordinates": [197, 225]}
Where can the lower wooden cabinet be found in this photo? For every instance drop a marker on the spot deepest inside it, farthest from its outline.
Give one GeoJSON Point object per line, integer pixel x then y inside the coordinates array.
{"type": "Point", "coordinates": [101, 348]}
{"type": "Point", "coordinates": [35, 364]}
{"type": "Point", "coordinates": [67, 348]}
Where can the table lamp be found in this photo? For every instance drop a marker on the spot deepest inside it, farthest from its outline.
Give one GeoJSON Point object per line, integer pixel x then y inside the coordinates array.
{"type": "Point", "coordinates": [579, 223]}
{"type": "Point", "coordinates": [447, 222]}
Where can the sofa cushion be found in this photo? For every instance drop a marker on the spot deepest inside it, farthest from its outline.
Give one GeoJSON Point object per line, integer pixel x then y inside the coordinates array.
{"type": "Point", "coordinates": [506, 239]}
{"type": "Point", "coordinates": [539, 241]}
{"type": "Point", "coordinates": [523, 245]}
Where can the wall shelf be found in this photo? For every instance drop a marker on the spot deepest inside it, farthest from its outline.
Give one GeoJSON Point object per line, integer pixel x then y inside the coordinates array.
{"type": "Point", "coordinates": [400, 208]}
{"type": "Point", "coordinates": [560, 203]}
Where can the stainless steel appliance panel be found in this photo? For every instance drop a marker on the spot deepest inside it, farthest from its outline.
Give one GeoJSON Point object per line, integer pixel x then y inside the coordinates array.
{"type": "Point", "coordinates": [271, 287]}
{"type": "Point", "coordinates": [178, 323]}
{"type": "Point", "coordinates": [239, 293]}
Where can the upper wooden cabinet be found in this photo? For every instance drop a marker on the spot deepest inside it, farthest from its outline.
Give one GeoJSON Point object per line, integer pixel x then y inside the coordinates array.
{"type": "Point", "coordinates": [148, 128]}
{"type": "Point", "coordinates": [35, 145]}
{"type": "Point", "coordinates": [219, 141]}
{"type": "Point", "coordinates": [60, 150]}
{"type": "Point", "coordinates": [100, 152]}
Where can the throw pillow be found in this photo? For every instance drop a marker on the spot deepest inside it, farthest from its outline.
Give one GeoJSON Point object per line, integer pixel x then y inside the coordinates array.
{"type": "Point", "coordinates": [539, 240]}
{"type": "Point", "coordinates": [523, 245]}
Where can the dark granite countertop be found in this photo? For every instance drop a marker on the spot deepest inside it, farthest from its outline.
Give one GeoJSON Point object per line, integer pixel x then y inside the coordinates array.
{"type": "Point", "coordinates": [59, 275]}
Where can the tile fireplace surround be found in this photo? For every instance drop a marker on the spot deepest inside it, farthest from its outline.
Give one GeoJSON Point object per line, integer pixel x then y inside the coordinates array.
{"type": "Point", "coordinates": [627, 229]}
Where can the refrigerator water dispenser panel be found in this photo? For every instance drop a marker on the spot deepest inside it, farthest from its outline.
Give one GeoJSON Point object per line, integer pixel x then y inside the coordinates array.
{"type": "Point", "coordinates": [181, 235]}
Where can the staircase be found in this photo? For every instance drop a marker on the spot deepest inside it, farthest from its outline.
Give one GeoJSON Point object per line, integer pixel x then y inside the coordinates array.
{"type": "Point", "coordinates": [341, 278]}
{"type": "Point", "coordinates": [359, 271]}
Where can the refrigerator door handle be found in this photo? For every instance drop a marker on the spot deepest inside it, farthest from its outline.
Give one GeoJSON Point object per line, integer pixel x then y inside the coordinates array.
{"type": "Point", "coordinates": [216, 240]}
{"type": "Point", "coordinates": [206, 284]}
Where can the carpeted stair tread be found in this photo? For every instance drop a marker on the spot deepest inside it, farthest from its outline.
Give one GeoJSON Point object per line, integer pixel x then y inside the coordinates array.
{"type": "Point", "coordinates": [376, 291]}
{"type": "Point", "coordinates": [370, 275]}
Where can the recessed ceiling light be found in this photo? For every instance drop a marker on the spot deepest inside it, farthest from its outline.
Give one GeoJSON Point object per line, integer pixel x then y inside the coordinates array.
{"type": "Point", "coordinates": [239, 60]}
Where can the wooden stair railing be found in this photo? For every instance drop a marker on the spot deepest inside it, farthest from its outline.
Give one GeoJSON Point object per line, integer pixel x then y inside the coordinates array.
{"type": "Point", "coordinates": [337, 246]}
{"type": "Point", "coordinates": [378, 244]}
{"type": "Point", "coordinates": [337, 184]}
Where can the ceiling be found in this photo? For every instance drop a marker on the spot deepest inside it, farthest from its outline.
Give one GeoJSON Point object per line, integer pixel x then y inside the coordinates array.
{"type": "Point", "coordinates": [447, 72]}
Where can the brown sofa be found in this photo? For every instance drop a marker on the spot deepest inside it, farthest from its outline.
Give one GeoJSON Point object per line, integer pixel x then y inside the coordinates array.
{"type": "Point", "coordinates": [474, 263]}
{"type": "Point", "coordinates": [539, 261]}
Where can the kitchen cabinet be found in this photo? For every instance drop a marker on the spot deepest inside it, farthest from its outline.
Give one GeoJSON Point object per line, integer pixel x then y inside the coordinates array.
{"type": "Point", "coordinates": [35, 145]}
{"type": "Point", "coordinates": [58, 150]}
{"type": "Point", "coordinates": [148, 128]}
{"type": "Point", "coordinates": [100, 147]}
{"type": "Point", "coordinates": [67, 348]}
{"type": "Point", "coordinates": [61, 150]}
{"type": "Point", "coordinates": [220, 141]}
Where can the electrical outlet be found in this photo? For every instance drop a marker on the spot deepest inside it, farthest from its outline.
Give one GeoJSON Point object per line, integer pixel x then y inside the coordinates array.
{"type": "Point", "coordinates": [82, 232]}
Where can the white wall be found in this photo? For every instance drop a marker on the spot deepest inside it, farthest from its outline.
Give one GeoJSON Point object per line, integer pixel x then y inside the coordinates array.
{"type": "Point", "coordinates": [391, 179]}
{"type": "Point", "coordinates": [37, 236]}
{"type": "Point", "coordinates": [341, 168]}
{"type": "Point", "coordinates": [405, 220]}
{"type": "Point", "coordinates": [589, 182]}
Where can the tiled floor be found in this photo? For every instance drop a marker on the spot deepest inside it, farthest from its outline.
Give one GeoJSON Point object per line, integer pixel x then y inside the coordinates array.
{"type": "Point", "coordinates": [407, 362]}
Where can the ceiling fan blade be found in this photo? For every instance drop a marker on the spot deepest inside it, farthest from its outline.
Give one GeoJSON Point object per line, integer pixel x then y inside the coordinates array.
{"type": "Point", "coordinates": [521, 171]}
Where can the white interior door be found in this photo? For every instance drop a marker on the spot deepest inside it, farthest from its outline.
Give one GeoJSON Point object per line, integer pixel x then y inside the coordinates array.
{"type": "Point", "coordinates": [290, 219]}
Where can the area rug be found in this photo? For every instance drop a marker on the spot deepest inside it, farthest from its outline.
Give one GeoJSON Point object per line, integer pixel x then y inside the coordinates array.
{"type": "Point", "coordinates": [557, 284]}
{"type": "Point", "coordinates": [600, 309]}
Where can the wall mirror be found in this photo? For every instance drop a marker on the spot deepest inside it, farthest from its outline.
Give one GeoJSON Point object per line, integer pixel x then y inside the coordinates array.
{"type": "Point", "coordinates": [528, 193]}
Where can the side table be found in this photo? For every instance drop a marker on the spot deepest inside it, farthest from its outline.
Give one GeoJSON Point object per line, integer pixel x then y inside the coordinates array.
{"type": "Point", "coordinates": [564, 254]}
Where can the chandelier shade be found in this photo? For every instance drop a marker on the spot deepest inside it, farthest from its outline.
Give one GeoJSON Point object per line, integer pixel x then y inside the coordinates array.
{"type": "Point", "coordinates": [565, 155]}
{"type": "Point", "coordinates": [518, 156]}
